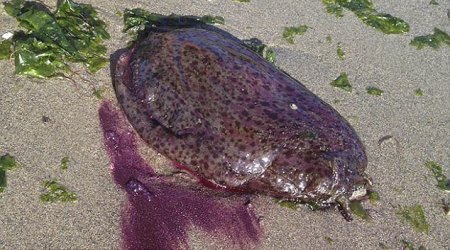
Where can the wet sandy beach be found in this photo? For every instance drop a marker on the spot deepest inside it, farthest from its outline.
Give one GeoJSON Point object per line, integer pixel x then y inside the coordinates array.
{"type": "Point", "coordinates": [419, 128]}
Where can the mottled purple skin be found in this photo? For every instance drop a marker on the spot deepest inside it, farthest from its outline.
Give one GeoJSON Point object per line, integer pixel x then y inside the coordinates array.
{"type": "Point", "coordinates": [213, 105]}
{"type": "Point", "coordinates": [159, 213]}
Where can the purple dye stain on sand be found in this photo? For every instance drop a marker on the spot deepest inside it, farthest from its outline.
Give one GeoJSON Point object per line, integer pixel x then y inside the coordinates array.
{"type": "Point", "coordinates": [159, 214]}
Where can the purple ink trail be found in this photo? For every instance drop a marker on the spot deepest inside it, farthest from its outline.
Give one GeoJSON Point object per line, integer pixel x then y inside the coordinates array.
{"type": "Point", "coordinates": [159, 214]}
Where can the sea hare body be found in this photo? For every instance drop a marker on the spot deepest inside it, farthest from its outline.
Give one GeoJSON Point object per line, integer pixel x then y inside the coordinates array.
{"type": "Point", "coordinates": [209, 103]}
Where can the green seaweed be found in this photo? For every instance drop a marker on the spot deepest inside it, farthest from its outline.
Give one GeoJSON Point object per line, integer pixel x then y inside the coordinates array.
{"type": "Point", "coordinates": [137, 21]}
{"type": "Point", "coordinates": [294, 205]}
{"type": "Point", "coordinates": [433, 2]}
{"type": "Point", "coordinates": [5, 49]}
{"type": "Point", "coordinates": [288, 204]}
{"type": "Point", "coordinates": [289, 33]}
{"type": "Point", "coordinates": [418, 92]}
{"type": "Point", "coordinates": [329, 39]}
{"type": "Point", "coordinates": [242, 1]}
{"type": "Point", "coordinates": [56, 192]}
{"type": "Point", "coordinates": [7, 163]}
{"type": "Point", "coordinates": [3, 183]}
{"type": "Point", "coordinates": [374, 197]}
{"type": "Point", "coordinates": [407, 245]}
{"type": "Point", "coordinates": [342, 82]}
{"type": "Point", "coordinates": [364, 10]}
{"type": "Point", "coordinates": [374, 91]}
{"type": "Point", "coordinates": [263, 50]}
{"type": "Point", "coordinates": [98, 92]}
{"type": "Point", "coordinates": [64, 163]}
{"type": "Point", "coordinates": [49, 40]}
{"type": "Point", "coordinates": [340, 52]}
{"type": "Point", "coordinates": [358, 210]}
{"type": "Point", "coordinates": [212, 19]}
{"type": "Point", "coordinates": [434, 40]}
{"type": "Point", "coordinates": [438, 173]}
{"type": "Point", "coordinates": [415, 216]}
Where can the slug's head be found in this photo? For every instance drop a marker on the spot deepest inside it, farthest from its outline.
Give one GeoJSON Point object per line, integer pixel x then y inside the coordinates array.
{"type": "Point", "coordinates": [325, 180]}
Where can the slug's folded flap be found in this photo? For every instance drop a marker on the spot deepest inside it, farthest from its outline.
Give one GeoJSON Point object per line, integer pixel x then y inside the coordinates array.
{"type": "Point", "coordinates": [166, 107]}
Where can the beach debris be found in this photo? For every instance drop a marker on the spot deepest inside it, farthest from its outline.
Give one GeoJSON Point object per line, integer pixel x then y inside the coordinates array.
{"type": "Point", "coordinates": [7, 163]}
{"type": "Point", "coordinates": [7, 35]}
{"type": "Point", "coordinates": [415, 216]}
{"type": "Point", "coordinates": [263, 50]}
{"type": "Point", "coordinates": [289, 33]}
{"type": "Point", "coordinates": [407, 245]}
{"type": "Point", "coordinates": [446, 207]}
{"type": "Point", "coordinates": [365, 10]}
{"type": "Point", "coordinates": [435, 40]}
{"type": "Point", "coordinates": [340, 52]}
{"type": "Point", "coordinates": [374, 91]}
{"type": "Point", "coordinates": [328, 240]}
{"type": "Point", "coordinates": [438, 172]}
{"type": "Point", "coordinates": [383, 246]}
{"type": "Point", "coordinates": [56, 192]}
{"type": "Point", "coordinates": [342, 82]}
{"type": "Point", "coordinates": [358, 210]}
{"type": "Point", "coordinates": [418, 92]}
{"type": "Point", "coordinates": [49, 40]}
{"type": "Point", "coordinates": [64, 163]}
{"type": "Point", "coordinates": [45, 119]}
{"type": "Point", "coordinates": [387, 138]}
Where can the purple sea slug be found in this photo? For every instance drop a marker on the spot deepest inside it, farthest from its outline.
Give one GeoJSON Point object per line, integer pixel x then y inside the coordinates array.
{"type": "Point", "coordinates": [219, 110]}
